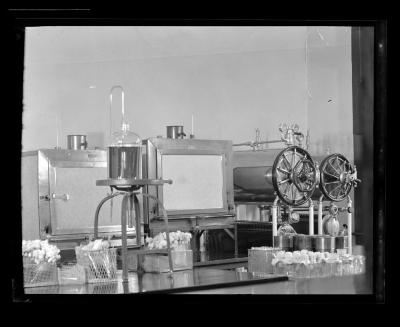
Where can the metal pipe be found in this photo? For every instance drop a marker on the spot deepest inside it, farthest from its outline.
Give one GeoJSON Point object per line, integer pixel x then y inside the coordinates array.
{"type": "Point", "coordinates": [349, 224]}
{"type": "Point", "coordinates": [311, 218]}
{"type": "Point", "coordinates": [137, 217]}
{"type": "Point", "coordinates": [253, 143]}
{"type": "Point", "coordinates": [96, 216]}
{"type": "Point", "coordinates": [275, 218]}
{"type": "Point", "coordinates": [130, 215]}
{"type": "Point", "coordinates": [320, 232]}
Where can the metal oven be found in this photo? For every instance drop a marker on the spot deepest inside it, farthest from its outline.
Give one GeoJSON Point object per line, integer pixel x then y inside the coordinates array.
{"type": "Point", "coordinates": [59, 195]}
{"type": "Point", "coordinates": [201, 193]}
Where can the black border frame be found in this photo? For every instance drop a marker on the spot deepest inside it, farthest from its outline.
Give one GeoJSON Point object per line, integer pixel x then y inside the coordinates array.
{"type": "Point", "coordinates": [17, 20]}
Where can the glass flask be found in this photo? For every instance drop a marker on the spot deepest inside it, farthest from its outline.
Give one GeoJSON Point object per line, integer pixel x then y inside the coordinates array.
{"type": "Point", "coordinates": [124, 149]}
{"type": "Point", "coordinates": [286, 229]}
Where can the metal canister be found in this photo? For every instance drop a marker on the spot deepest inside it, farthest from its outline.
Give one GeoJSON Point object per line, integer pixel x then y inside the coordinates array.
{"type": "Point", "coordinates": [284, 242]}
{"type": "Point", "coordinates": [76, 142]}
{"type": "Point", "coordinates": [323, 243]}
{"type": "Point", "coordinates": [175, 132]}
{"type": "Point", "coordinates": [125, 162]}
{"type": "Point", "coordinates": [301, 242]}
{"type": "Point", "coordinates": [342, 242]}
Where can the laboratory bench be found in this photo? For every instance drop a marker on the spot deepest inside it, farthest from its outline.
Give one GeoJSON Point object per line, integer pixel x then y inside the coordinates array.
{"type": "Point", "coordinates": [179, 281]}
{"type": "Point", "coordinates": [206, 280]}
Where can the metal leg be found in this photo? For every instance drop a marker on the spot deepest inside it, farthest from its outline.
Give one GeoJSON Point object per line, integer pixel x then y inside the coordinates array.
{"type": "Point", "coordinates": [311, 218]}
{"type": "Point", "coordinates": [124, 245]}
{"type": "Point", "coordinates": [275, 219]}
{"type": "Point", "coordinates": [236, 242]}
{"type": "Point", "coordinates": [138, 230]}
{"type": "Point", "coordinates": [137, 217]}
{"type": "Point", "coordinates": [126, 209]}
{"type": "Point", "coordinates": [125, 287]}
{"type": "Point", "coordinates": [130, 210]}
{"type": "Point", "coordinates": [349, 225]}
{"type": "Point", "coordinates": [320, 232]}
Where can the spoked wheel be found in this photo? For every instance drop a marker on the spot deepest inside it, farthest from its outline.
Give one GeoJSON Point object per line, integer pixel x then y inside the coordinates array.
{"type": "Point", "coordinates": [294, 175]}
{"type": "Point", "coordinates": [336, 174]}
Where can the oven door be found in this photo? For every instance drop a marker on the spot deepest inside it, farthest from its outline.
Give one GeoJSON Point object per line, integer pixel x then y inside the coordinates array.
{"type": "Point", "coordinates": [201, 174]}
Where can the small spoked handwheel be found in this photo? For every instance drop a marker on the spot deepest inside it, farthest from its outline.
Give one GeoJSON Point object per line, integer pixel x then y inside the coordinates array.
{"type": "Point", "coordinates": [336, 177]}
{"type": "Point", "coordinates": [304, 176]}
{"type": "Point", "coordinates": [294, 176]}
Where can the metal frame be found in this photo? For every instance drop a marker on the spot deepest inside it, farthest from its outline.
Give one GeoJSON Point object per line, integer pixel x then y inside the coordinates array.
{"type": "Point", "coordinates": [48, 162]}
{"type": "Point", "coordinates": [156, 148]}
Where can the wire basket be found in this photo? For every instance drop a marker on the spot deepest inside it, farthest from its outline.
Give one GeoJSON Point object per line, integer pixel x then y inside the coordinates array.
{"type": "Point", "coordinates": [39, 274]}
{"type": "Point", "coordinates": [103, 288]}
{"type": "Point", "coordinates": [71, 274]}
{"type": "Point", "coordinates": [259, 260]}
{"type": "Point", "coordinates": [100, 265]}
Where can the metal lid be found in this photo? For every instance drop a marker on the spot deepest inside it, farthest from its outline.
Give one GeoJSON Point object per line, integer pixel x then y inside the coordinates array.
{"type": "Point", "coordinates": [323, 243]}
{"type": "Point", "coordinates": [283, 241]}
{"type": "Point", "coordinates": [341, 242]}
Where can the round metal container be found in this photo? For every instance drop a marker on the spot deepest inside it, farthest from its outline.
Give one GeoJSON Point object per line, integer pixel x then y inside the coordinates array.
{"type": "Point", "coordinates": [341, 242]}
{"type": "Point", "coordinates": [301, 242]}
{"type": "Point", "coordinates": [76, 142]}
{"type": "Point", "coordinates": [125, 162]}
{"type": "Point", "coordinates": [284, 242]}
{"type": "Point", "coordinates": [175, 132]}
{"type": "Point", "coordinates": [323, 243]}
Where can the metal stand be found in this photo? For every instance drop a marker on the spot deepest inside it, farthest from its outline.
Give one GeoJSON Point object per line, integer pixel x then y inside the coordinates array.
{"type": "Point", "coordinates": [320, 212]}
{"type": "Point", "coordinates": [129, 189]}
{"type": "Point", "coordinates": [349, 225]}
{"type": "Point", "coordinates": [275, 220]}
{"type": "Point", "coordinates": [311, 218]}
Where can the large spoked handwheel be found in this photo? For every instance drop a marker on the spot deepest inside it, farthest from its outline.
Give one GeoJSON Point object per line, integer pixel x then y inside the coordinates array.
{"type": "Point", "coordinates": [294, 176]}
{"type": "Point", "coordinates": [337, 177]}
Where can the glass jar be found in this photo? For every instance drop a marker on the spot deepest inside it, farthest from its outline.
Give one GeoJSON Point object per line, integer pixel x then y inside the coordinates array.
{"type": "Point", "coordinates": [124, 146]}
{"type": "Point", "coordinates": [125, 155]}
{"type": "Point", "coordinates": [302, 270]}
{"type": "Point", "coordinates": [359, 264]}
{"type": "Point", "coordinates": [326, 269]}
{"type": "Point", "coordinates": [336, 268]}
{"type": "Point", "coordinates": [347, 266]}
{"type": "Point", "coordinates": [283, 268]}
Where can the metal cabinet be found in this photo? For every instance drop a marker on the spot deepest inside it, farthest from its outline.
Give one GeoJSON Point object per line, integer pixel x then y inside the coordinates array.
{"type": "Point", "coordinates": [59, 195]}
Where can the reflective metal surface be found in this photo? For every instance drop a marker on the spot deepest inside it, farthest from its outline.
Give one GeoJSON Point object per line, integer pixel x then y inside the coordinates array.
{"type": "Point", "coordinates": [260, 176]}
{"type": "Point", "coordinates": [76, 142]}
{"type": "Point", "coordinates": [184, 280]}
{"type": "Point", "coordinates": [175, 132]}
{"type": "Point", "coordinates": [129, 181]}
{"type": "Point", "coordinates": [125, 162]}
{"type": "Point", "coordinates": [356, 284]}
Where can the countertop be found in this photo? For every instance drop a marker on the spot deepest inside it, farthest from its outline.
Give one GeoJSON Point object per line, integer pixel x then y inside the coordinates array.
{"type": "Point", "coordinates": [180, 281]}
{"type": "Point", "coordinates": [214, 281]}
